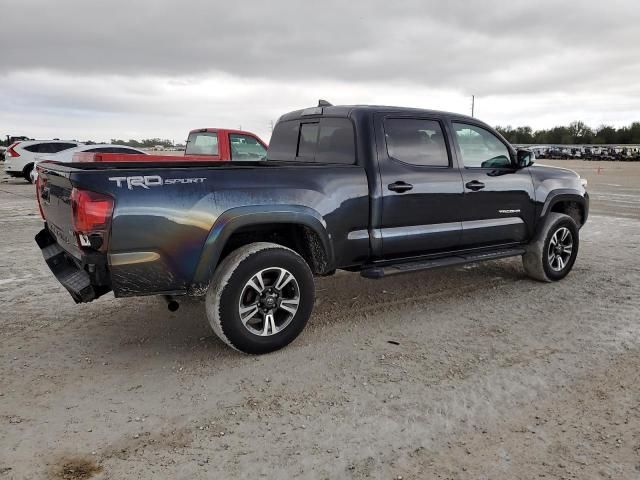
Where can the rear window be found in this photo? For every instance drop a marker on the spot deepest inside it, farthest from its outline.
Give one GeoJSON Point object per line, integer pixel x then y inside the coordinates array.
{"type": "Point", "coordinates": [284, 141]}
{"type": "Point", "coordinates": [202, 143]}
{"type": "Point", "coordinates": [308, 141]}
{"type": "Point", "coordinates": [330, 140]}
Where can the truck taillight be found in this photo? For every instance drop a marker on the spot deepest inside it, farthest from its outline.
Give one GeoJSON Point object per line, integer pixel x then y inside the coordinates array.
{"type": "Point", "coordinates": [10, 150]}
{"type": "Point", "coordinates": [91, 216]}
{"type": "Point", "coordinates": [40, 184]}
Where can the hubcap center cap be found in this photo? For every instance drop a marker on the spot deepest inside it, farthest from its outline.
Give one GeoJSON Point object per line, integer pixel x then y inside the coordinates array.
{"type": "Point", "coordinates": [270, 300]}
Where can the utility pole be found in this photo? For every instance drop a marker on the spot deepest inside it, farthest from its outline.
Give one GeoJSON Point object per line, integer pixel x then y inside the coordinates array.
{"type": "Point", "coordinates": [473, 104]}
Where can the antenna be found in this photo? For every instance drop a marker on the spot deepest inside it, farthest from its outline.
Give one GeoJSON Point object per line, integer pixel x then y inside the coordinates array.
{"type": "Point", "coordinates": [324, 103]}
{"type": "Point", "coordinates": [473, 104]}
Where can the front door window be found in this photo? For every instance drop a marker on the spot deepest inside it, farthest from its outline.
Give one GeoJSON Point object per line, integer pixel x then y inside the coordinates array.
{"type": "Point", "coordinates": [481, 148]}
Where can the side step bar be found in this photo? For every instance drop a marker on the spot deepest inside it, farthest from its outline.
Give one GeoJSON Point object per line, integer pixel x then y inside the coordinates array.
{"type": "Point", "coordinates": [375, 272]}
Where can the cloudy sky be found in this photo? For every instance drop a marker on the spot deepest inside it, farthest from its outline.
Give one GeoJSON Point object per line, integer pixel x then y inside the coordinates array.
{"type": "Point", "coordinates": [147, 68]}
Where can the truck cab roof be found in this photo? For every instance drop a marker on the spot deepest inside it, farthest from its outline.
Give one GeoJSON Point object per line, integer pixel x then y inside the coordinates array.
{"type": "Point", "coordinates": [347, 111]}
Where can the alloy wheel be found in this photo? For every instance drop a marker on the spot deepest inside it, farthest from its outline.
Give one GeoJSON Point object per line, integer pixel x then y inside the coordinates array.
{"type": "Point", "coordinates": [269, 301]}
{"type": "Point", "coordinates": [560, 249]}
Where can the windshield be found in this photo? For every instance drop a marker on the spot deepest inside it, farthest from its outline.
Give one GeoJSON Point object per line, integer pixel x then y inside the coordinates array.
{"type": "Point", "coordinates": [202, 143]}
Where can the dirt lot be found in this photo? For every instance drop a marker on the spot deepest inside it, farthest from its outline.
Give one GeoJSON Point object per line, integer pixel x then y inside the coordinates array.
{"type": "Point", "coordinates": [470, 373]}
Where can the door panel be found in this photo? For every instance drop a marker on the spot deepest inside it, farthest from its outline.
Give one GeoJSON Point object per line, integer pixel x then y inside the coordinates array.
{"type": "Point", "coordinates": [422, 203]}
{"type": "Point", "coordinates": [498, 198]}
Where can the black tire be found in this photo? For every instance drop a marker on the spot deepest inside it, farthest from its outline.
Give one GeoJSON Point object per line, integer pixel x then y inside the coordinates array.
{"type": "Point", "coordinates": [26, 172]}
{"type": "Point", "coordinates": [230, 286]}
{"type": "Point", "coordinates": [541, 258]}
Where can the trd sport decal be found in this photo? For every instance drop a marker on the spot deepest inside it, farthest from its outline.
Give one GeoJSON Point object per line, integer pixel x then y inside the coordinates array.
{"type": "Point", "coordinates": [148, 181]}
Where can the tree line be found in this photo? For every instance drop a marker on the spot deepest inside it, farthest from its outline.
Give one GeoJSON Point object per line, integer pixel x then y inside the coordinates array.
{"type": "Point", "coordinates": [575, 133]}
{"type": "Point", "coordinates": [144, 143]}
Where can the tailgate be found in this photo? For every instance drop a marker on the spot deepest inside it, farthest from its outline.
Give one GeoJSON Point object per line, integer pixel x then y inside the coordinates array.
{"type": "Point", "coordinates": [54, 193]}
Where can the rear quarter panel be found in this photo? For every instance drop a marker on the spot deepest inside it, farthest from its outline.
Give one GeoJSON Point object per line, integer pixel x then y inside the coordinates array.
{"type": "Point", "coordinates": [158, 232]}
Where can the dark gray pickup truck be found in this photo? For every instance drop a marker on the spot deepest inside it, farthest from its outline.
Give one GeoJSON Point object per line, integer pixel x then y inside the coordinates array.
{"type": "Point", "coordinates": [378, 190]}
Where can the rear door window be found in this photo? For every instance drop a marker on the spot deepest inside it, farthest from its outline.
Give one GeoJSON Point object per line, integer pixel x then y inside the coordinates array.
{"type": "Point", "coordinates": [416, 141]}
{"type": "Point", "coordinates": [58, 147]}
{"type": "Point", "coordinates": [202, 143]}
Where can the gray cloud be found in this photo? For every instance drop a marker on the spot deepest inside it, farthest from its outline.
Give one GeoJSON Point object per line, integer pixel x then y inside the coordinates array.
{"type": "Point", "coordinates": [466, 45]}
{"type": "Point", "coordinates": [121, 57]}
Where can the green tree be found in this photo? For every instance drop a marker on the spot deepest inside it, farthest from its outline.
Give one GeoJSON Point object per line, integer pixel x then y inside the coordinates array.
{"type": "Point", "coordinates": [606, 134]}
{"type": "Point", "coordinates": [580, 132]}
{"type": "Point", "coordinates": [576, 132]}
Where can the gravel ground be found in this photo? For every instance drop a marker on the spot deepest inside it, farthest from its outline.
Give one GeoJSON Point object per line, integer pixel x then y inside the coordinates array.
{"type": "Point", "coordinates": [468, 373]}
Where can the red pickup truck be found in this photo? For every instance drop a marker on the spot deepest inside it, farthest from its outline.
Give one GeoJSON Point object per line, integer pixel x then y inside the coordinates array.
{"type": "Point", "coordinates": [203, 144]}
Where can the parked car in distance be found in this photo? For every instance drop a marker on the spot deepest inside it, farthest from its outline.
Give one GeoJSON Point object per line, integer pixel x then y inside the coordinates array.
{"type": "Point", "coordinates": [377, 190]}
{"type": "Point", "coordinates": [69, 155]}
{"type": "Point", "coordinates": [20, 156]}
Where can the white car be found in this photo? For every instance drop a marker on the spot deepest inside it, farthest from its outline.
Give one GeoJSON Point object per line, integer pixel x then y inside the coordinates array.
{"type": "Point", "coordinates": [66, 156]}
{"type": "Point", "coordinates": [21, 156]}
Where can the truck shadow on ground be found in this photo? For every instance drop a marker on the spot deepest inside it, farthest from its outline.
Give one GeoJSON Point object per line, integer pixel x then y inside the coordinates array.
{"type": "Point", "coordinates": [145, 325]}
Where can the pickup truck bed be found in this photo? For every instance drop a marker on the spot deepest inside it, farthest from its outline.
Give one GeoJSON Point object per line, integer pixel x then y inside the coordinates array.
{"type": "Point", "coordinates": [373, 189]}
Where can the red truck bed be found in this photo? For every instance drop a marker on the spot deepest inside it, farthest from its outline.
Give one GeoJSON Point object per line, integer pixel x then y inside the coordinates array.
{"type": "Point", "coordinates": [120, 157]}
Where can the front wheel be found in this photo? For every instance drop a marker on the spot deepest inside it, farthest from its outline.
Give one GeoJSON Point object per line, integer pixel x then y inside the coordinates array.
{"type": "Point", "coordinates": [550, 257]}
{"type": "Point", "coordinates": [260, 298]}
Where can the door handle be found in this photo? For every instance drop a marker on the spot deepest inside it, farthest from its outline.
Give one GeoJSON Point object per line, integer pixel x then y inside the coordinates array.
{"type": "Point", "coordinates": [400, 187]}
{"type": "Point", "coordinates": [474, 185]}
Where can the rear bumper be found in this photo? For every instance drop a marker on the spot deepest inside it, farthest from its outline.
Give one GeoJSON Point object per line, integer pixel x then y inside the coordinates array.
{"type": "Point", "coordinates": [85, 280]}
{"type": "Point", "coordinates": [12, 167]}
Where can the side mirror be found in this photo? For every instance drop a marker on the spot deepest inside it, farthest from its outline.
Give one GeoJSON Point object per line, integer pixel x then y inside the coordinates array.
{"type": "Point", "coordinates": [526, 158]}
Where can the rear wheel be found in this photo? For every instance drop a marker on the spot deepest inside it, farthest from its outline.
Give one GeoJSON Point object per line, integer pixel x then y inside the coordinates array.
{"type": "Point", "coordinates": [550, 257]}
{"type": "Point", "coordinates": [27, 172]}
{"type": "Point", "coordinates": [260, 298]}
